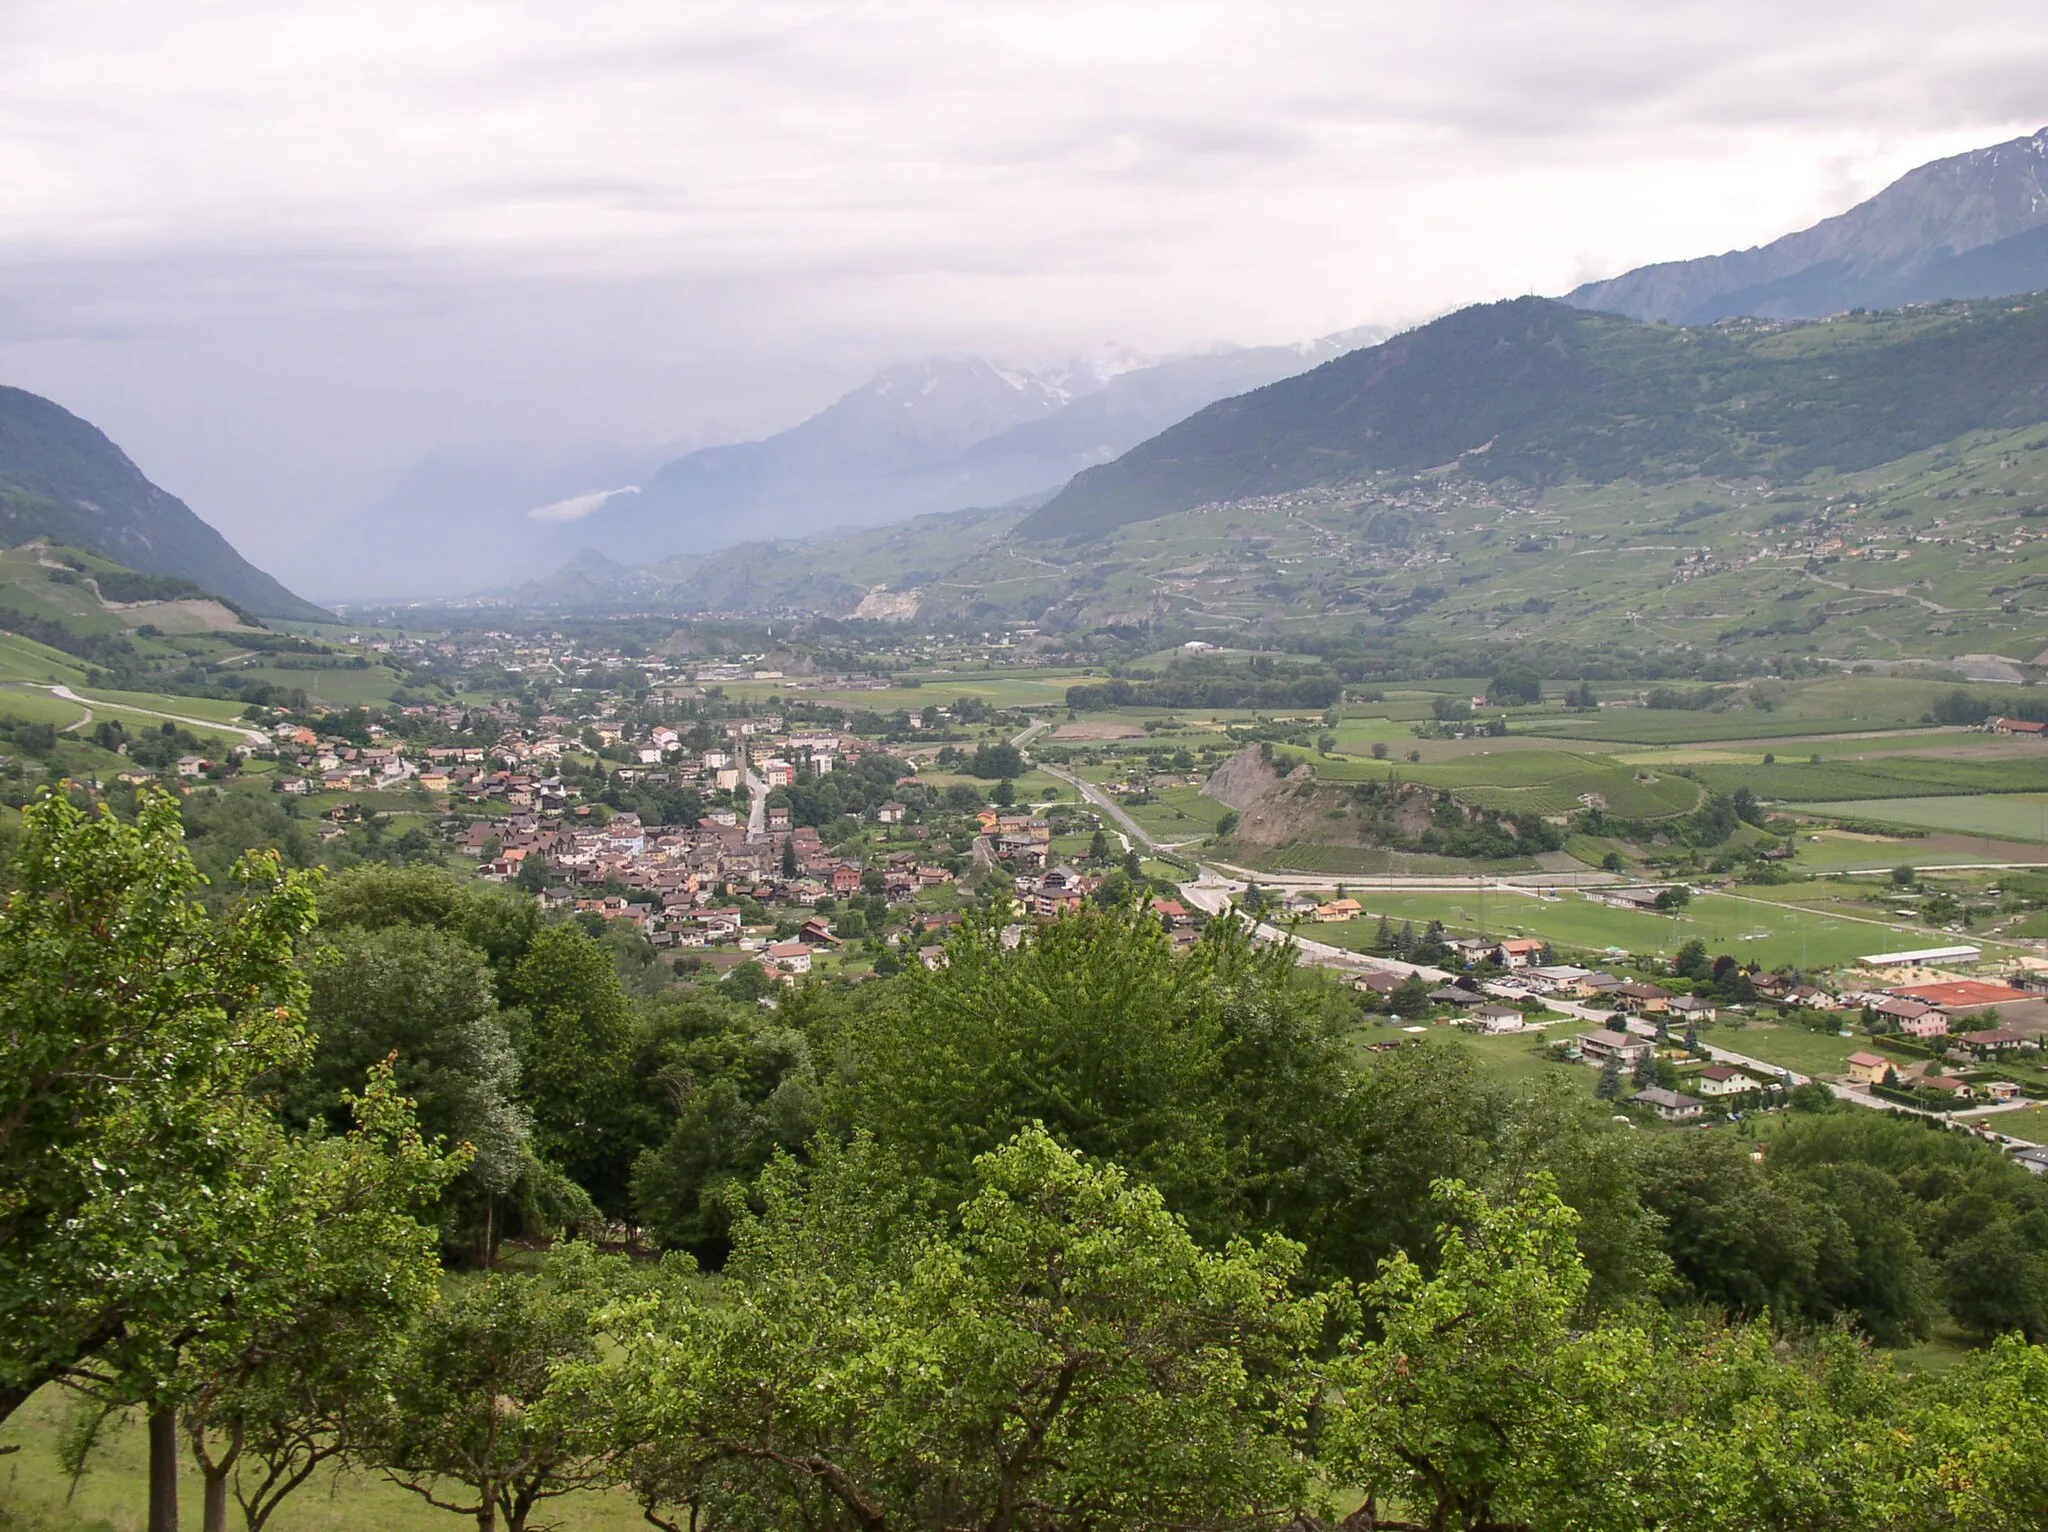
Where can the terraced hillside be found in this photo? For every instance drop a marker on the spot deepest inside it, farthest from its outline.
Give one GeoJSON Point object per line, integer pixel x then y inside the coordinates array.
{"type": "Point", "coordinates": [1901, 561]}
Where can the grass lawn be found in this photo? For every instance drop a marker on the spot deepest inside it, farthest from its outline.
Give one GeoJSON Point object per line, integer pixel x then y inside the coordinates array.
{"type": "Point", "coordinates": [1789, 1047]}
{"type": "Point", "coordinates": [1513, 1059]}
{"type": "Point", "coordinates": [112, 1497]}
{"type": "Point", "coordinates": [2030, 1123]}
{"type": "Point", "coordinates": [1517, 1058]}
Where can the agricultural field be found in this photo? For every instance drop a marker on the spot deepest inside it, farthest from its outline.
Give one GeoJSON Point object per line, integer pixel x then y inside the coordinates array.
{"type": "Point", "coordinates": [1887, 776]}
{"type": "Point", "coordinates": [37, 706]}
{"type": "Point", "coordinates": [1557, 782]}
{"type": "Point", "coordinates": [23, 659]}
{"type": "Point", "coordinates": [341, 686]}
{"type": "Point", "coordinates": [1176, 814]}
{"type": "Point", "coordinates": [2005, 816]}
{"type": "Point", "coordinates": [1753, 929]}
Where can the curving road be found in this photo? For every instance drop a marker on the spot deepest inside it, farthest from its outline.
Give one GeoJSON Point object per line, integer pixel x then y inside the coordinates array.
{"type": "Point", "coordinates": [249, 736]}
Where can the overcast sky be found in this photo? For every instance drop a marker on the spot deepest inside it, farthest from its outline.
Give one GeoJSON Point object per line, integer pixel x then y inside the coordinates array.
{"type": "Point", "coordinates": [281, 249]}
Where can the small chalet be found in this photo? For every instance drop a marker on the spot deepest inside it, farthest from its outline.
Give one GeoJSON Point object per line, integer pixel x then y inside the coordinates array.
{"type": "Point", "coordinates": [1992, 1043]}
{"type": "Point", "coordinates": [1948, 1085]}
{"type": "Point", "coordinates": [1494, 1017]}
{"type": "Point", "coordinates": [1723, 1080]}
{"type": "Point", "coordinates": [1671, 1105]}
{"type": "Point", "coordinates": [1649, 998]}
{"type": "Point", "coordinates": [1601, 1046]}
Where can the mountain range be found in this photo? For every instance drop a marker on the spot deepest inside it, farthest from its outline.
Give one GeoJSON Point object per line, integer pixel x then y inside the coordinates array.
{"type": "Point", "coordinates": [61, 478]}
{"type": "Point", "coordinates": [1973, 226]}
{"type": "Point", "coordinates": [922, 437]}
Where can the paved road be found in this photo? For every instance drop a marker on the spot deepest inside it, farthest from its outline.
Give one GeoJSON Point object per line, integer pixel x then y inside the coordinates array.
{"type": "Point", "coordinates": [1093, 794]}
{"type": "Point", "coordinates": [249, 736]}
{"type": "Point", "coordinates": [757, 800]}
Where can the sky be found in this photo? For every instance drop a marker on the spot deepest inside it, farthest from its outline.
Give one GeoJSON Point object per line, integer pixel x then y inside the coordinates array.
{"type": "Point", "coordinates": [285, 253]}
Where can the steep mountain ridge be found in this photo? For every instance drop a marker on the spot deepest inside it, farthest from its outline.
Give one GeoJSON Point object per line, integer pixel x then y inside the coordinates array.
{"type": "Point", "coordinates": [60, 477]}
{"type": "Point", "coordinates": [1542, 393]}
{"type": "Point", "coordinates": [1955, 228]}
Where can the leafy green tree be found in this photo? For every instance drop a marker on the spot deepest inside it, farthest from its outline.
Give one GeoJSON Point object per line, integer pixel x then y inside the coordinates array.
{"type": "Point", "coordinates": [425, 999]}
{"type": "Point", "coordinates": [1516, 686]}
{"type": "Point", "coordinates": [748, 982]}
{"type": "Point", "coordinates": [1996, 1283]}
{"type": "Point", "coordinates": [573, 1033]}
{"type": "Point", "coordinates": [376, 898]}
{"type": "Point", "coordinates": [135, 1028]}
{"type": "Point", "coordinates": [1060, 1354]}
{"type": "Point", "coordinates": [1608, 1086]}
{"type": "Point", "coordinates": [1692, 961]}
{"type": "Point", "coordinates": [1476, 1403]}
{"type": "Point", "coordinates": [739, 1084]}
{"type": "Point", "coordinates": [338, 1264]}
{"type": "Point", "coordinates": [1735, 1238]}
{"type": "Point", "coordinates": [1549, 1130]}
{"type": "Point", "coordinates": [458, 1418]}
{"type": "Point", "coordinates": [1090, 1027]}
{"type": "Point", "coordinates": [1870, 1266]}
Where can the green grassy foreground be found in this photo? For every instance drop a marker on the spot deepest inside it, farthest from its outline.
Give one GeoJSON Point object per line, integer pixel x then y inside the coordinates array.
{"type": "Point", "coordinates": [112, 1496]}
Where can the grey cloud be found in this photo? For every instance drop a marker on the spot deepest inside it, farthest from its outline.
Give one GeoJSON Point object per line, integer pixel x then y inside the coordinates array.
{"type": "Point", "coordinates": [285, 253]}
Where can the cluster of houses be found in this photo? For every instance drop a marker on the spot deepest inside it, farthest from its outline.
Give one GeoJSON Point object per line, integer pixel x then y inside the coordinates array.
{"type": "Point", "coordinates": [1968, 1021]}
{"type": "Point", "coordinates": [518, 768]}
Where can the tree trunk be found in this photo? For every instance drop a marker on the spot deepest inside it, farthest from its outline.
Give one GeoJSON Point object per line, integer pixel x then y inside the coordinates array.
{"type": "Point", "coordinates": [216, 1517]}
{"type": "Point", "coordinates": [163, 1469]}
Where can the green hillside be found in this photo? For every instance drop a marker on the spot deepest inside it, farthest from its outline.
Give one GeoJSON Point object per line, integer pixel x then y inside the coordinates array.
{"type": "Point", "coordinates": [72, 618]}
{"type": "Point", "coordinates": [1535, 393]}
{"type": "Point", "coordinates": [61, 478]}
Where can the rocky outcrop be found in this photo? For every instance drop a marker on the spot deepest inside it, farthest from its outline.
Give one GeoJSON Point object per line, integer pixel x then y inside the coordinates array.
{"type": "Point", "coordinates": [1281, 803]}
